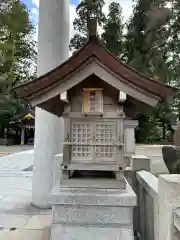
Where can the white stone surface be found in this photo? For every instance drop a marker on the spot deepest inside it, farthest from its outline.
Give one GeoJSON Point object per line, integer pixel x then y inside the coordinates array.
{"type": "Point", "coordinates": [57, 171]}
{"type": "Point", "coordinates": [39, 222]}
{"type": "Point", "coordinates": [22, 234]}
{"type": "Point", "coordinates": [8, 221]}
{"type": "Point", "coordinates": [129, 140]}
{"type": "Point", "coordinates": [17, 161]}
{"type": "Point", "coordinates": [129, 136]}
{"type": "Point", "coordinates": [154, 152]}
{"type": "Point", "coordinates": [53, 39]}
{"type": "Point", "coordinates": [140, 162]}
{"type": "Point", "coordinates": [16, 212]}
{"type": "Point", "coordinates": [150, 183]}
{"type": "Point", "coordinates": [92, 211]}
{"type": "Point", "coordinates": [46, 141]}
{"type": "Point", "coordinates": [168, 200]}
{"type": "Point", "coordinates": [90, 233]}
{"type": "Point", "coordinates": [53, 49]}
{"type": "Point", "coordinates": [177, 222]}
{"type": "Point", "coordinates": [12, 184]}
{"type": "Point", "coordinates": [17, 215]}
{"type": "Point", "coordinates": [100, 197]}
{"type": "Point", "coordinates": [92, 215]}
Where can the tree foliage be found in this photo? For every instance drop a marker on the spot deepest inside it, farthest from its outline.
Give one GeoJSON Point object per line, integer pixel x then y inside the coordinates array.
{"type": "Point", "coordinates": [146, 33]}
{"type": "Point", "coordinates": [17, 47]}
{"type": "Point", "coordinates": [149, 48]}
{"type": "Point", "coordinates": [113, 30]}
{"type": "Point", "coordinates": [17, 54]}
{"type": "Point", "coordinates": [85, 10]}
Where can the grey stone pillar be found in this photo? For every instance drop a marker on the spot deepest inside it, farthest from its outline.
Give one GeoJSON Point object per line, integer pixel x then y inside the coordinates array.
{"type": "Point", "coordinates": [53, 49]}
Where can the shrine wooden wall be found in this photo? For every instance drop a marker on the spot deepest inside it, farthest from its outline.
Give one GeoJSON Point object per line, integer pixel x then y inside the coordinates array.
{"type": "Point", "coordinates": [110, 98]}
{"type": "Point", "coordinates": [110, 95]}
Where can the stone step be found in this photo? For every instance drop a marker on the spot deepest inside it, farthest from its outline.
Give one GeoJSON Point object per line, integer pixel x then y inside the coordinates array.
{"type": "Point", "coordinates": [93, 183]}
{"type": "Point", "coordinates": [92, 215]}
{"type": "Point", "coordinates": [69, 232]}
{"type": "Point", "coordinates": [93, 196]}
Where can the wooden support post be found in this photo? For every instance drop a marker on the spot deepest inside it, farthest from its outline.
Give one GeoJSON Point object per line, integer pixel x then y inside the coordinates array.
{"type": "Point", "coordinates": [66, 147]}
{"type": "Point", "coordinates": [66, 154]}
{"type": "Point", "coordinates": [120, 139]}
{"type": "Point", "coordinates": [22, 135]}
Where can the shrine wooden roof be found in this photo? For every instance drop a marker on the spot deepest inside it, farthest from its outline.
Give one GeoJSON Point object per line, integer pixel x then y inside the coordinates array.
{"type": "Point", "coordinates": [28, 113]}
{"type": "Point", "coordinates": [93, 50]}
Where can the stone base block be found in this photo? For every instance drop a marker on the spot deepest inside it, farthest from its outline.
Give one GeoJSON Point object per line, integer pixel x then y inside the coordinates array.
{"type": "Point", "coordinates": [65, 232]}
{"type": "Point", "coordinates": [93, 196]}
{"type": "Point", "coordinates": [92, 213]}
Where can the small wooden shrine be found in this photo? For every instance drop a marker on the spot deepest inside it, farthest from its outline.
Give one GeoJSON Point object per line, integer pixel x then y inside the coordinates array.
{"type": "Point", "coordinates": [99, 97]}
{"type": "Point", "coordinates": [25, 123]}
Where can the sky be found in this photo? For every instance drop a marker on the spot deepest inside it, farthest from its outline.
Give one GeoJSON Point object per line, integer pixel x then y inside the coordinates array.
{"type": "Point", "coordinates": [34, 4]}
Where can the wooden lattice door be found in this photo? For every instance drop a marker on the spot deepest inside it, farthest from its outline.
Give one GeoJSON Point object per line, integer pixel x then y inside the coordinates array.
{"type": "Point", "coordinates": [93, 141]}
{"type": "Point", "coordinates": [105, 141]}
{"type": "Point", "coordinates": [81, 138]}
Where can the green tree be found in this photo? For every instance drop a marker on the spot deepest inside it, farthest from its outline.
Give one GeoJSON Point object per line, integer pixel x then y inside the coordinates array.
{"type": "Point", "coordinates": [146, 37]}
{"type": "Point", "coordinates": [17, 47]}
{"type": "Point", "coordinates": [173, 51]}
{"type": "Point", "coordinates": [148, 50]}
{"type": "Point", "coordinates": [113, 30]}
{"type": "Point", "coordinates": [17, 54]}
{"type": "Point", "coordinates": [85, 10]}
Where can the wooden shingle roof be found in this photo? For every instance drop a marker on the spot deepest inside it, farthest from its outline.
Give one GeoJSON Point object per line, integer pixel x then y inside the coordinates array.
{"type": "Point", "coordinates": [93, 50]}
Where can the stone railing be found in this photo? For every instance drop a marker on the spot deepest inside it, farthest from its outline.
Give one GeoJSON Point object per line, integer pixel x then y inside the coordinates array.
{"type": "Point", "coordinates": [176, 219]}
{"type": "Point", "coordinates": [147, 208]}
{"type": "Point", "coordinates": [157, 215]}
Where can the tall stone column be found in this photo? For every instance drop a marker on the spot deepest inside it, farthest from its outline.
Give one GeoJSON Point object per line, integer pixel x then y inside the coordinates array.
{"type": "Point", "coordinates": [53, 49]}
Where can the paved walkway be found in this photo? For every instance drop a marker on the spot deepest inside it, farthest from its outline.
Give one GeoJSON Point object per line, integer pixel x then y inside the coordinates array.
{"type": "Point", "coordinates": [17, 161]}
{"type": "Point", "coordinates": [4, 150]}
{"type": "Point", "coordinates": [18, 218]}
{"type": "Point", "coordinates": [155, 153]}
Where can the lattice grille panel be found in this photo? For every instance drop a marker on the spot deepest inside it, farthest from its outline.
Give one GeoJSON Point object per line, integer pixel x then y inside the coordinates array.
{"type": "Point", "coordinates": [104, 133]}
{"type": "Point", "coordinates": [82, 138]}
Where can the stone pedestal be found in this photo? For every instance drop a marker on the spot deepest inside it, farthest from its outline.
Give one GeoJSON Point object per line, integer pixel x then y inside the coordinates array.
{"type": "Point", "coordinates": [91, 213]}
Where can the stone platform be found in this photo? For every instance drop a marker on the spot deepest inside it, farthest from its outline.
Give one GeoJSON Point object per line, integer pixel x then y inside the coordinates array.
{"type": "Point", "coordinates": [91, 213]}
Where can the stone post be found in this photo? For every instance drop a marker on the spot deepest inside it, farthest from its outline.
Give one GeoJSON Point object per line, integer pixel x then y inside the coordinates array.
{"type": "Point", "coordinates": [168, 201]}
{"type": "Point", "coordinates": [53, 49]}
{"type": "Point", "coordinates": [137, 163]}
